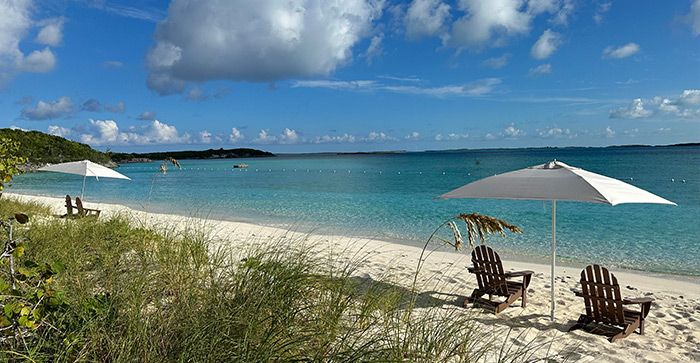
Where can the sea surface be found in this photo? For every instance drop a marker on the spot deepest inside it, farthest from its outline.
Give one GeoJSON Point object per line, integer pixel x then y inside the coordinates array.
{"type": "Point", "coordinates": [393, 197]}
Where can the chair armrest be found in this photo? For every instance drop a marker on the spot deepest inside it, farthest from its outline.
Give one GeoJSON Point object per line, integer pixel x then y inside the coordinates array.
{"type": "Point", "coordinates": [473, 270]}
{"type": "Point", "coordinates": [518, 273]}
{"type": "Point", "coordinates": [639, 300]}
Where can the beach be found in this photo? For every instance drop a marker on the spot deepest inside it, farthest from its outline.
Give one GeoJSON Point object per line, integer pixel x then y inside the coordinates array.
{"type": "Point", "coordinates": [672, 327]}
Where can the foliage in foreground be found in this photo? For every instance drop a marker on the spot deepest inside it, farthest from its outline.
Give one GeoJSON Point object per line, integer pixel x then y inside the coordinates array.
{"type": "Point", "coordinates": [130, 294]}
{"type": "Point", "coordinates": [9, 161]}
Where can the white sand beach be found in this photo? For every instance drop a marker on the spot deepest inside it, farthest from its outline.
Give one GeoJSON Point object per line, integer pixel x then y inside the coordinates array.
{"type": "Point", "coordinates": [673, 325]}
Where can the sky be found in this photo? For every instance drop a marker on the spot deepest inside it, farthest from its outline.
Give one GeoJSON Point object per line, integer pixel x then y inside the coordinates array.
{"type": "Point", "coordinates": [351, 75]}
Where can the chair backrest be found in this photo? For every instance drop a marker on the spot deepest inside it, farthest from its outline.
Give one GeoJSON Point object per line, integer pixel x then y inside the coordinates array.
{"type": "Point", "coordinates": [489, 270]}
{"type": "Point", "coordinates": [69, 206]}
{"type": "Point", "coordinates": [601, 295]}
{"type": "Point", "coordinates": [79, 205]}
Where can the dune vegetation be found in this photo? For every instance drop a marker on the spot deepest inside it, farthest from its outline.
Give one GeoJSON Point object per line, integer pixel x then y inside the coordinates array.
{"type": "Point", "coordinates": [107, 290]}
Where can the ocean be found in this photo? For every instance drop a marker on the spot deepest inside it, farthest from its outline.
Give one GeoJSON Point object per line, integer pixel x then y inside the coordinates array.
{"type": "Point", "coordinates": [393, 197]}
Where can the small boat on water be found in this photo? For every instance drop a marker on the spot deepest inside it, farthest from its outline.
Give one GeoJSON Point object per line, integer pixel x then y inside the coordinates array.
{"type": "Point", "coordinates": [240, 166]}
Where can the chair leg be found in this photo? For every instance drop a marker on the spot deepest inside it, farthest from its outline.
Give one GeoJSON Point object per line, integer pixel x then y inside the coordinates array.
{"type": "Point", "coordinates": [524, 297]}
{"type": "Point", "coordinates": [582, 321]}
{"type": "Point", "coordinates": [629, 329]}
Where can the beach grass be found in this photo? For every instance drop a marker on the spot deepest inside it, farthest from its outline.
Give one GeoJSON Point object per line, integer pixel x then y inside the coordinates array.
{"type": "Point", "coordinates": [132, 294]}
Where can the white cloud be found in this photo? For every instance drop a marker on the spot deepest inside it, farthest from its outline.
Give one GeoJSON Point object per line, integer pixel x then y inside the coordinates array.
{"type": "Point", "coordinates": [378, 136]}
{"type": "Point", "coordinates": [335, 139]}
{"type": "Point", "coordinates": [490, 23]}
{"type": "Point", "coordinates": [235, 136]}
{"type": "Point", "coordinates": [686, 105]}
{"type": "Point", "coordinates": [477, 88]}
{"type": "Point", "coordinates": [694, 17]}
{"type": "Point", "coordinates": [112, 64]}
{"type": "Point", "coordinates": [49, 110]}
{"type": "Point", "coordinates": [426, 18]}
{"type": "Point", "coordinates": [496, 62]}
{"type": "Point", "coordinates": [38, 61]}
{"type": "Point", "coordinates": [204, 137]}
{"type": "Point", "coordinates": [51, 32]}
{"type": "Point", "coordinates": [375, 48]}
{"type": "Point", "coordinates": [546, 45]}
{"type": "Point", "coordinates": [451, 137]}
{"type": "Point", "coordinates": [690, 97]}
{"type": "Point", "coordinates": [624, 51]}
{"type": "Point", "coordinates": [15, 23]}
{"type": "Point", "coordinates": [512, 132]}
{"type": "Point", "coordinates": [58, 131]}
{"type": "Point", "coordinates": [15, 127]}
{"type": "Point", "coordinates": [107, 132]}
{"type": "Point", "coordinates": [600, 11]}
{"type": "Point", "coordinates": [259, 41]}
{"type": "Point", "coordinates": [288, 136]}
{"type": "Point", "coordinates": [146, 115]}
{"type": "Point", "coordinates": [609, 132]}
{"type": "Point", "coordinates": [541, 70]}
{"type": "Point", "coordinates": [413, 136]}
{"type": "Point", "coordinates": [633, 110]}
{"type": "Point", "coordinates": [557, 133]}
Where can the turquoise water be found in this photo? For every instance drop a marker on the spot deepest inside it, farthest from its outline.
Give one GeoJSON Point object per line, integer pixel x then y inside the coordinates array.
{"type": "Point", "coordinates": [393, 197]}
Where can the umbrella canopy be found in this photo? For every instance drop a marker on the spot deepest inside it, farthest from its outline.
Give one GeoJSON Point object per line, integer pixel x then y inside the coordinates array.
{"type": "Point", "coordinates": [555, 181]}
{"type": "Point", "coordinates": [85, 168]}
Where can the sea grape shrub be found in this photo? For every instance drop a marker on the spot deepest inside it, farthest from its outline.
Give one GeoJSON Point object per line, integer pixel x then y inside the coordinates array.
{"type": "Point", "coordinates": [10, 161]}
{"type": "Point", "coordinates": [27, 308]}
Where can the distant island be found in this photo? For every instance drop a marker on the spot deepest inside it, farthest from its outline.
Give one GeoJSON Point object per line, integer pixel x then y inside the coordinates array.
{"type": "Point", "coordinates": [191, 154]}
{"type": "Point", "coordinates": [41, 149]}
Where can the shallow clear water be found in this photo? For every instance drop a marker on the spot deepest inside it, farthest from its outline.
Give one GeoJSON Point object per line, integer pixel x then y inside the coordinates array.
{"type": "Point", "coordinates": [393, 197]}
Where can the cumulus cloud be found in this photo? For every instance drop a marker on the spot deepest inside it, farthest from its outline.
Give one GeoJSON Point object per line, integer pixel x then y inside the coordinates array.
{"type": "Point", "coordinates": [541, 70]}
{"type": "Point", "coordinates": [288, 136]}
{"type": "Point", "coordinates": [451, 137]}
{"type": "Point", "coordinates": [496, 62]}
{"type": "Point", "coordinates": [93, 105]}
{"type": "Point", "coordinates": [107, 132]}
{"type": "Point", "coordinates": [476, 88]}
{"type": "Point", "coordinates": [686, 105]}
{"type": "Point", "coordinates": [378, 136]}
{"type": "Point", "coordinates": [58, 131]}
{"type": "Point", "coordinates": [235, 136]}
{"type": "Point", "coordinates": [546, 45]}
{"type": "Point", "coordinates": [490, 23]}
{"type": "Point", "coordinates": [623, 51]}
{"type": "Point", "coordinates": [49, 110]}
{"type": "Point", "coordinates": [15, 23]}
{"type": "Point", "coordinates": [512, 132]}
{"type": "Point", "coordinates": [146, 116]}
{"type": "Point", "coordinates": [609, 132]}
{"type": "Point", "coordinates": [51, 32]}
{"type": "Point", "coordinates": [557, 133]}
{"type": "Point", "coordinates": [426, 18]}
{"type": "Point", "coordinates": [259, 41]}
{"type": "Point", "coordinates": [197, 94]}
{"type": "Point", "coordinates": [335, 139]}
{"type": "Point", "coordinates": [413, 136]}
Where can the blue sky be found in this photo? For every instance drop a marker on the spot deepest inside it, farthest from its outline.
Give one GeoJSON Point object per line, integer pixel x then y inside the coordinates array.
{"type": "Point", "coordinates": [312, 75]}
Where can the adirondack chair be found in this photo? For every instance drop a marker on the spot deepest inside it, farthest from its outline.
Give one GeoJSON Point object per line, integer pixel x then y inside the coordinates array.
{"type": "Point", "coordinates": [493, 280]}
{"type": "Point", "coordinates": [85, 212]}
{"type": "Point", "coordinates": [605, 306]}
{"type": "Point", "coordinates": [69, 207]}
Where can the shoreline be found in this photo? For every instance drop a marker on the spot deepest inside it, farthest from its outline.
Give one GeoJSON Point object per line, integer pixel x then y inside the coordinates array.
{"type": "Point", "coordinates": [688, 284]}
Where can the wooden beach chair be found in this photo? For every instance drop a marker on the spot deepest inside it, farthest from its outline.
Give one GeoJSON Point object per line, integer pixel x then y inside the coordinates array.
{"type": "Point", "coordinates": [85, 212]}
{"type": "Point", "coordinates": [605, 307]}
{"type": "Point", "coordinates": [493, 280]}
{"type": "Point", "coordinates": [69, 208]}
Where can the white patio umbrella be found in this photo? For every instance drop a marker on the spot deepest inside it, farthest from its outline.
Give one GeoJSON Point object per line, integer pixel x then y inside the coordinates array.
{"type": "Point", "coordinates": [85, 168]}
{"type": "Point", "coordinates": [555, 181]}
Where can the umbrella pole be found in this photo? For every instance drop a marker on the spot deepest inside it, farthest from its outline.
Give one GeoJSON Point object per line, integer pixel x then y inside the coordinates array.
{"type": "Point", "coordinates": [554, 251]}
{"type": "Point", "coordinates": [82, 191]}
